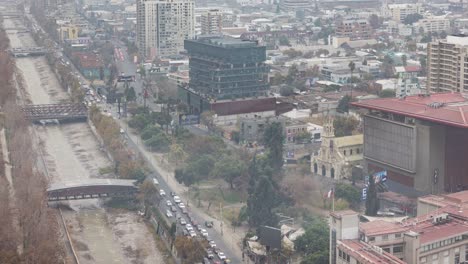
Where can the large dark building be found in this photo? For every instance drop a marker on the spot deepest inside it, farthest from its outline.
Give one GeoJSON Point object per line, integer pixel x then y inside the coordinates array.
{"type": "Point", "coordinates": [223, 68]}
{"type": "Point", "coordinates": [421, 141]}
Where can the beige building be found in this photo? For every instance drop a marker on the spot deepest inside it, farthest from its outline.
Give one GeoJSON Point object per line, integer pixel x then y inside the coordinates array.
{"type": "Point", "coordinates": [398, 12]}
{"type": "Point", "coordinates": [447, 62]}
{"type": "Point", "coordinates": [433, 24]}
{"type": "Point", "coordinates": [211, 22]}
{"type": "Point", "coordinates": [163, 25]}
{"type": "Point", "coordinates": [439, 234]}
{"type": "Point", "coordinates": [337, 155]}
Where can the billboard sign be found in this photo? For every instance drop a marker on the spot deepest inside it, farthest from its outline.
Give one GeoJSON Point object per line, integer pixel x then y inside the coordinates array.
{"type": "Point", "coordinates": [186, 120]}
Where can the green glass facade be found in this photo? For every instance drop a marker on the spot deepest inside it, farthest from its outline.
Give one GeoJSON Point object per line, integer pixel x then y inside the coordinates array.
{"type": "Point", "coordinates": [227, 68]}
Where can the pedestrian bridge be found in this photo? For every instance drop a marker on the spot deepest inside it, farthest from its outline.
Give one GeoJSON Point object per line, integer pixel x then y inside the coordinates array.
{"type": "Point", "coordinates": [28, 51]}
{"type": "Point", "coordinates": [57, 112]}
{"type": "Point", "coordinates": [91, 188]}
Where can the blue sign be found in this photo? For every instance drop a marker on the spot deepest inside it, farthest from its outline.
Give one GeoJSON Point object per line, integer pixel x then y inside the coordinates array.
{"type": "Point", "coordinates": [186, 120]}
{"type": "Point", "coordinates": [380, 177]}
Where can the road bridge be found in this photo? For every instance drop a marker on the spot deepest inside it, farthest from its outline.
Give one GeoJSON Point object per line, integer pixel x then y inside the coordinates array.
{"type": "Point", "coordinates": [27, 51]}
{"type": "Point", "coordinates": [92, 188]}
{"type": "Point", "coordinates": [66, 112]}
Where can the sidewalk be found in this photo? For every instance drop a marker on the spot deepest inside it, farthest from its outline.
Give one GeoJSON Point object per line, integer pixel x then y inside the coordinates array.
{"type": "Point", "coordinates": [228, 234]}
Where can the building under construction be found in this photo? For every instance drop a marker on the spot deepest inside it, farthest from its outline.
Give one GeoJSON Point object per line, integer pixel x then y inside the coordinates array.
{"type": "Point", "coordinates": [223, 68]}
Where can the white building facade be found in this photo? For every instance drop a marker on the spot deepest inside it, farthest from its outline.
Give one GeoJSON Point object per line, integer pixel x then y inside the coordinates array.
{"type": "Point", "coordinates": [163, 25]}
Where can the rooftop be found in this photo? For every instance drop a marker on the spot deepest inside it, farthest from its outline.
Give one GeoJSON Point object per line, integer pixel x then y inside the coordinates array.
{"type": "Point", "coordinates": [444, 108]}
{"type": "Point", "coordinates": [367, 254]}
{"type": "Point", "coordinates": [225, 42]}
{"type": "Point", "coordinates": [349, 141]}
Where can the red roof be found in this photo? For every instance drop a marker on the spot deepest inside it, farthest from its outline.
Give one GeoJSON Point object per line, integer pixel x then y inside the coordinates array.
{"type": "Point", "coordinates": [367, 254]}
{"type": "Point", "coordinates": [223, 108]}
{"type": "Point", "coordinates": [413, 68]}
{"type": "Point", "coordinates": [452, 109]}
{"type": "Point", "coordinates": [90, 60]}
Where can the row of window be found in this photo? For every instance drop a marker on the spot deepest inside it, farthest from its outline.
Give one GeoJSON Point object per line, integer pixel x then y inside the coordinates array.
{"type": "Point", "coordinates": [344, 256]}
{"type": "Point", "coordinates": [345, 152]}
{"type": "Point", "coordinates": [443, 243]}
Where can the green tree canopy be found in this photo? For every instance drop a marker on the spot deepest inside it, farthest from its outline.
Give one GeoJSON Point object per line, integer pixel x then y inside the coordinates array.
{"type": "Point", "coordinates": [229, 168]}
{"type": "Point", "coordinates": [314, 243]}
{"type": "Point", "coordinates": [412, 18]}
{"type": "Point", "coordinates": [344, 126]}
{"type": "Point", "coordinates": [261, 203]}
{"type": "Point", "coordinates": [387, 93]}
{"type": "Point", "coordinates": [372, 201]}
{"type": "Point", "coordinates": [273, 140]}
{"type": "Point", "coordinates": [348, 193]}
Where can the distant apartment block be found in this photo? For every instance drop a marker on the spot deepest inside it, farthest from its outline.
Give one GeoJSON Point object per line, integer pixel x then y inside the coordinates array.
{"type": "Point", "coordinates": [433, 24]}
{"type": "Point", "coordinates": [399, 12]}
{"type": "Point", "coordinates": [211, 22]}
{"type": "Point", "coordinates": [353, 29]}
{"type": "Point", "coordinates": [447, 63]}
{"type": "Point", "coordinates": [292, 5]}
{"type": "Point", "coordinates": [163, 25]}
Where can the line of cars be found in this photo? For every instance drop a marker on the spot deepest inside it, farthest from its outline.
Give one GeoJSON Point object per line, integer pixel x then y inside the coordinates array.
{"type": "Point", "coordinates": [190, 227]}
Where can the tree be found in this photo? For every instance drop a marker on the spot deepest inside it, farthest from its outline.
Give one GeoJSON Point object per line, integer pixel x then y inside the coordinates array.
{"type": "Point", "coordinates": [207, 119]}
{"type": "Point", "coordinates": [261, 203]}
{"type": "Point", "coordinates": [277, 79]}
{"type": "Point", "coordinates": [348, 193]}
{"type": "Point", "coordinates": [229, 168]}
{"type": "Point", "coordinates": [404, 60]}
{"type": "Point", "coordinates": [387, 93]}
{"type": "Point", "coordinates": [375, 21]}
{"type": "Point", "coordinates": [189, 250]}
{"type": "Point", "coordinates": [292, 53]}
{"type": "Point", "coordinates": [314, 243]}
{"type": "Point", "coordinates": [372, 202]}
{"type": "Point", "coordinates": [412, 18]}
{"type": "Point", "coordinates": [162, 118]}
{"type": "Point", "coordinates": [177, 153]}
{"type": "Point", "coordinates": [147, 194]}
{"type": "Point", "coordinates": [159, 142]}
{"type": "Point", "coordinates": [286, 90]}
{"type": "Point", "coordinates": [273, 140]}
{"type": "Point", "coordinates": [423, 62]}
{"type": "Point", "coordinates": [352, 66]}
{"type": "Point", "coordinates": [293, 73]}
{"type": "Point", "coordinates": [142, 71]}
{"type": "Point", "coordinates": [303, 137]}
{"type": "Point", "coordinates": [284, 41]}
{"type": "Point", "coordinates": [130, 94]}
{"type": "Point", "coordinates": [344, 126]}
{"type": "Point", "coordinates": [343, 104]}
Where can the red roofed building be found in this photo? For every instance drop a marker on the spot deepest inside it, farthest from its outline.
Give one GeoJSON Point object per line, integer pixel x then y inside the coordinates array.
{"type": "Point", "coordinates": [421, 141]}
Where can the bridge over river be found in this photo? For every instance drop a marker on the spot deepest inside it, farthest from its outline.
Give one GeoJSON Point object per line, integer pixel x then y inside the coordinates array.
{"type": "Point", "coordinates": [92, 188]}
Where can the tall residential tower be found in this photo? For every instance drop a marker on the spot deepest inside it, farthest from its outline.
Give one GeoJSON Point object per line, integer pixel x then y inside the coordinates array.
{"type": "Point", "coordinates": [163, 25]}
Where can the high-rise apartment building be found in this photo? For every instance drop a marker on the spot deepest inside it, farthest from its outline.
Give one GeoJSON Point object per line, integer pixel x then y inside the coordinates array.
{"type": "Point", "coordinates": [227, 68]}
{"type": "Point", "coordinates": [447, 63]}
{"type": "Point", "coordinates": [399, 12]}
{"type": "Point", "coordinates": [211, 22]}
{"type": "Point", "coordinates": [163, 25]}
{"type": "Point", "coordinates": [354, 29]}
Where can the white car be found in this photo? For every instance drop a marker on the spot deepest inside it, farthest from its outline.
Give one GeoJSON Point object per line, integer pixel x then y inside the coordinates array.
{"type": "Point", "coordinates": [181, 205]}
{"type": "Point", "coordinates": [221, 256]}
{"type": "Point", "coordinates": [168, 213]}
{"type": "Point", "coordinates": [168, 203]}
{"type": "Point", "coordinates": [204, 232]}
{"type": "Point", "coordinates": [177, 199]}
{"type": "Point", "coordinates": [189, 227]}
{"type": "Point", "coordinates": [192, 233]}
{"type": "Point", "coordinates": [162, 192]}
{"type": "Point", "coordinates": [182, 221]}
{"type": "Point", "coordinates": [212, 244]}
{"type": "Point", "coordinates": [155, 181]}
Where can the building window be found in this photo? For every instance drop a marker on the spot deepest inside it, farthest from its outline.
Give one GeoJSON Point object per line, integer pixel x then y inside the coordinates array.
{"type": "Point", "coordinates": [385, 237]}
{"type": "Point", "coordinates": [397, 249]}
{"type": "Point", "coordinates": [386, 249]}
{"type": "Point", "coordinates": [350, 152]}
{"type": "Point", "coordinates": [435, 256]}
{"type": "Point", "coordinates": [371, 239]}
{"type": "Point", "coordinates": [358, 151]}
{"type": "Point", "coordinates": [457, 258]}
{"type": "Point", "coordinates": [397, 235]}
{"type": "Point", "coordinates": [344, 152]}
{"type": "Point", "coordinates": [423, 260]}
{"type": "Point", "coordinates": [466, 252]}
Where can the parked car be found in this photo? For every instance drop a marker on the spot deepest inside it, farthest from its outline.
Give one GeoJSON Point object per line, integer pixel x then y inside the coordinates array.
{"type": "Point", "coordinates": [181, 205]}
{"type": "Point", "coordinates": [206, 261]}
{"type": "Point", "coordinates": [177, 199]}
{"type": "Point", "coordinates": [173, 209]}
{"type": "Point", "coordinates": [168, 203]}
{"type": "Point", "coordinates": [209, 254]}
{"type": "Point", "coordinates": [162, 192]}
{"type": "Point", "coordinates": [168, 213]}
{"type": "Point", "coordinates": [212, 244]}
{"type": "Point", "coordinates": [182, 221]}
{"type": "Point", "coordinates": [173, 194]}
{"type": "Point", "coordinates": [199, 227]}
{"type": "Point", "coordinates": [155, 181]}
{"type": "Point", "coordinates": [192, 233]}
{"type": "Point", "coordinates": [204, 232]}
{"type": "Point", "coordinates": [185, 233]}
{"type": "Point", "coordinates": [209, 224]}
{"type": "Point", "coordinates": [189, 227]}
{"type": "Point", "coordinates": [221, 256]}
{"type": "Point", "coordinates": [184, 210]}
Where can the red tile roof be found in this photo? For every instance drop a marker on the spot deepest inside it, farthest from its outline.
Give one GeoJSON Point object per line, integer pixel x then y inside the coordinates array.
{"type": "Point", "coordinates": [413, 68]}
{"type": "Point", "coordinates": [90, 60]}
{"type": "Point", "coordinates": [381, 227]}
{"type": "Point", "coordinates": [367, 254]}
{"type": "Point", "coordinates": [453, 112]}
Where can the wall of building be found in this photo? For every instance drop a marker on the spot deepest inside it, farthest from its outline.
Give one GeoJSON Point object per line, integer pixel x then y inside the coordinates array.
{"type": "Point", "coordinates": [456, 165]}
